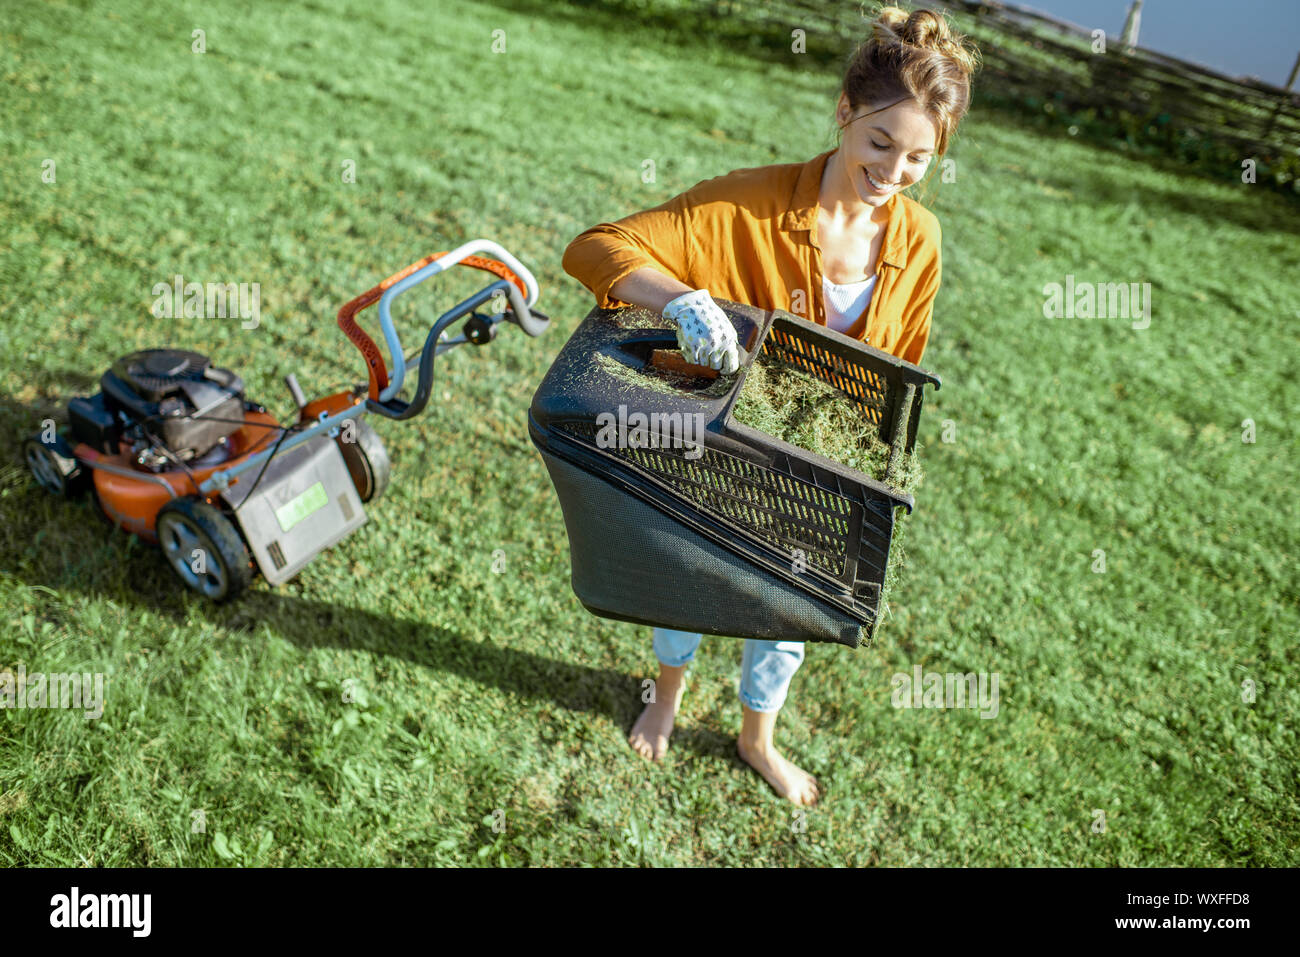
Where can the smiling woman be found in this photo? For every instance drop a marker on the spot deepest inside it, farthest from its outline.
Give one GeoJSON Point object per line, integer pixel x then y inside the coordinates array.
{"type": "Point", "coordinates": [832, 240]}
{"type": "Point", "coordinates": [792, 236]}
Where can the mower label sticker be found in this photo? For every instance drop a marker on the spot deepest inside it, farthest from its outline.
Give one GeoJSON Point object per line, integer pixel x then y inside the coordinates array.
{"type": "Point", "coordinates": [296, 509]}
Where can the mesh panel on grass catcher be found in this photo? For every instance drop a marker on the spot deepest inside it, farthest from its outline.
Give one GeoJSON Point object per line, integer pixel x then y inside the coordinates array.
{"type": "Point", "coordinates": [682, 517]}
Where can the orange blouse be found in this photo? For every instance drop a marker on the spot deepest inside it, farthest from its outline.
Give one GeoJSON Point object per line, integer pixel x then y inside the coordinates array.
{"type": "Point", "coordinates": [750, 236]}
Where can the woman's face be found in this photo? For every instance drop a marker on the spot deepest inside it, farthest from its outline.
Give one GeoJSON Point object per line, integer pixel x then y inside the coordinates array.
{"type": "Point", "coordinates": [885, 150]}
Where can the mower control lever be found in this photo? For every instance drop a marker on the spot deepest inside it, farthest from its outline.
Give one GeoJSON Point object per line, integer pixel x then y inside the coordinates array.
{"type": "Point", "coordinates": [295, 390]}
{"type": "Point", "coordinates": [480, 329]}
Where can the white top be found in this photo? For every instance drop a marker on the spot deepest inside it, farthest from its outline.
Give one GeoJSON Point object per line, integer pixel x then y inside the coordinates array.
{"type": "Point", "coordinates": [845, 301]}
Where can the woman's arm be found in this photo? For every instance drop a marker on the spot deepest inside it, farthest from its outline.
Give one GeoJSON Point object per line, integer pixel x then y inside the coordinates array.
{"type": "Point", "coordinates": [621, 274]}
{"type": "Point", "coordinates": [636, 260]}
{"type": "Point", "coordinates": [648, 288]}
{"type": "Point", "coordinates": [645, 260]}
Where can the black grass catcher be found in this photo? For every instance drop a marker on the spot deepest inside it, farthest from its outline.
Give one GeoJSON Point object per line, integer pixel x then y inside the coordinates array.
{"type": "Point", "coordinates": [680, 517]}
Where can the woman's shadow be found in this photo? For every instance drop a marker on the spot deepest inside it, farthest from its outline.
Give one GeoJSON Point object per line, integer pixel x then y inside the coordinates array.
{"type": "Point", "coordinates": [72, 548]}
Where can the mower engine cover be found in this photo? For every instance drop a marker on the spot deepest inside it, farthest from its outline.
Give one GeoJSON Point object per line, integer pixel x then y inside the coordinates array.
{"type": "Point", "coordinates": [189, 404]}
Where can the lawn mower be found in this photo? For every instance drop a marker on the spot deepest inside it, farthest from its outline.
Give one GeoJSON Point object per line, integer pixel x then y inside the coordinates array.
{"type": "Point", "coordinates": [178, 456]}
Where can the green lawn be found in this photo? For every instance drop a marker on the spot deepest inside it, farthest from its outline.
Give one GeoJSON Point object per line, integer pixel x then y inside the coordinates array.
{"type": "Point", "coordinates": [1121, 691]}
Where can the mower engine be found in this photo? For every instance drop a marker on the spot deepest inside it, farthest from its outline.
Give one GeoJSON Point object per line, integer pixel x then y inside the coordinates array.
{"type": "Point", "coordinates": [169, 404]}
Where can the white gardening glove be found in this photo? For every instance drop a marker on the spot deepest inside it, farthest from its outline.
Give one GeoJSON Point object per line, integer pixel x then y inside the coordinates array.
{"type": "Point", "coordinates": [704, 333]}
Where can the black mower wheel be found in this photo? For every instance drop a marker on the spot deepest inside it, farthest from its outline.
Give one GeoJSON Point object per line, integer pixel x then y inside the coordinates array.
{"type": "Point", "coordinates": [55, 468]}
{"type": "Point", "coordinates": [366, 458]}
{"type": "Point", "coordinates": [204, 548]}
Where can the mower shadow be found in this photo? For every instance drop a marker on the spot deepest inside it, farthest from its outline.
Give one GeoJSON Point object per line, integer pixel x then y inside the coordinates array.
{"type": "Point", "coordinates": [574, 687]}
{"type": "Point", "coordinates": [438, 649]}
{"type": "Point", "coordinates": [72, 548]}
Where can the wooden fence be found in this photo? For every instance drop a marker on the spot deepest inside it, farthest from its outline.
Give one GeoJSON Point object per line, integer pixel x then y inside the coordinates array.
{"type": "Point", "coordinates": [1042, 61]}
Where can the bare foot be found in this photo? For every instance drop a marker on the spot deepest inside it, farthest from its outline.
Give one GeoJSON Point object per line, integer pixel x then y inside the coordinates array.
{"type": "Point", "coordinates": [649, 737]}
{"type": "Point", "coordinates": [792, 783]}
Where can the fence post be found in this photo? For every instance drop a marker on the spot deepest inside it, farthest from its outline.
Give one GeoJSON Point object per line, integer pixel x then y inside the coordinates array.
{"type": "Point", "coordinates": [1129, 38]}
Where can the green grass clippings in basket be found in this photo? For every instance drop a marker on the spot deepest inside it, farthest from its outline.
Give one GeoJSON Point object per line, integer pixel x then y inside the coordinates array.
{"type": "Point", "coordinates": [798, 408]}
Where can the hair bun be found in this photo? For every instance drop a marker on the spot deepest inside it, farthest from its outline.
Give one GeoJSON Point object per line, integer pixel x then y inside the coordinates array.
{"type": "Point", "coordinates": [924, 29]}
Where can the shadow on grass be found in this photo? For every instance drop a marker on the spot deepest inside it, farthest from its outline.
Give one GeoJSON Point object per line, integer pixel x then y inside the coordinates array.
{"type": "Point", "coordinates": [72, 548]}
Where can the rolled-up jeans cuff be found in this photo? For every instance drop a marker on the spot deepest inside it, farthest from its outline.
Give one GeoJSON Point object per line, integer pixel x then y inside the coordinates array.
{"type": "Point", "coordinates": [675, 648]}
{"type": "Point", "coordinates": [765, 673]}
{"type": "Point", "coordinates": [770, 706]}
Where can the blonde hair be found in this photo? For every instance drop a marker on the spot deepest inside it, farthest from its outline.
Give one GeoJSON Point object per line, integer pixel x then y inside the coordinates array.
{"type": "Point", "coordinates": [914, 56]}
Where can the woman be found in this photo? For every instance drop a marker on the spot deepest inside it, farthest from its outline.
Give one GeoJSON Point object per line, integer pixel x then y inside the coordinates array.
{"type": "Point", "coordinates": [832, 240]}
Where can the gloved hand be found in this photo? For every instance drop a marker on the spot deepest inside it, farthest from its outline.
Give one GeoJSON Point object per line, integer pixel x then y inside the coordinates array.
{"type": "Point", "coordinates": [704, 333]}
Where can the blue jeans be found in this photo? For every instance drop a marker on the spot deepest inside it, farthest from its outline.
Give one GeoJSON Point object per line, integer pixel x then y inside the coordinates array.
{"type": "Point", "coordinates": [766, 667]}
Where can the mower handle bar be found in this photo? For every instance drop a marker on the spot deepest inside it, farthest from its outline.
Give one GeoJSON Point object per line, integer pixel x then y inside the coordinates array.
{"type": "Point", "coordinates": [395, 408]}
{"type": "Point", "coordinates": [532, 325]}
{"type": "Point", "coordinates": [520, 290]}
{"type": "Point", "coordinates": [511, 273]}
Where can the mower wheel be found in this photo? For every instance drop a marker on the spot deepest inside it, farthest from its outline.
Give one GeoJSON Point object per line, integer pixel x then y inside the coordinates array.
{"type": "Point", "coordinates": [55, 467]}
{"type": "Point", "coordinates": [204, 548]}
{"type": "Point", "coordinates": [366, 458]}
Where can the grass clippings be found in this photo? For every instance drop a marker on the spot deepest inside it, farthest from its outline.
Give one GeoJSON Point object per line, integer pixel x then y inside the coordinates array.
{"type": "Point", "coordinates": [800, 409]}
{"type": "Point", "coordinates": [797, 408]}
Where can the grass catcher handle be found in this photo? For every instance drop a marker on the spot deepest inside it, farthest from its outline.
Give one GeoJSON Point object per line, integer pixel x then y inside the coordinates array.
{"type": "Point", "coordinates": [672, 360]}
